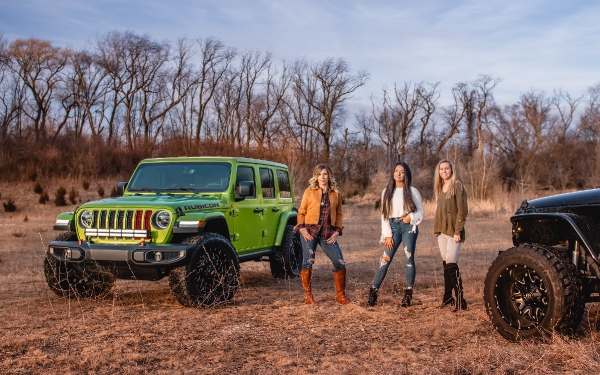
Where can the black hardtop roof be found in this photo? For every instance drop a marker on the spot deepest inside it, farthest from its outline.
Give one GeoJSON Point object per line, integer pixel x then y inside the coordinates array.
{"type": "Point", "coordinates": [215, 158]}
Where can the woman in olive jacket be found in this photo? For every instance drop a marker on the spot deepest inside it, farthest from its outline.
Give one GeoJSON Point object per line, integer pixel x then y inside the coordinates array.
{"type": "Point", "coordinates": [319, 221]}
{"type": "Point", "coordinates": [449, 226]}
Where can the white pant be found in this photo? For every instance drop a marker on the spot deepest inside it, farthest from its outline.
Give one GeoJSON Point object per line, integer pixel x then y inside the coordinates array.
{"type": "Point", "coordinates": [448, 248]}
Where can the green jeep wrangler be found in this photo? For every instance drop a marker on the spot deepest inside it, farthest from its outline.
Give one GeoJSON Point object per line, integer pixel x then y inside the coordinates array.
{"type": "Point", "coordinates": [193, 219]}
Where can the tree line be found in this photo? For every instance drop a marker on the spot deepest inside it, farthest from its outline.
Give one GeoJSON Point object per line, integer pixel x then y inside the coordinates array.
{"type": "Point", "coordinates": [98, 110]}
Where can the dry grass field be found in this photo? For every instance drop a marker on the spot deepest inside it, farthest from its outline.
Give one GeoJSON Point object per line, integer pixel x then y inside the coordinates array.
{"type": "Point", "coordinates": [141, 329]}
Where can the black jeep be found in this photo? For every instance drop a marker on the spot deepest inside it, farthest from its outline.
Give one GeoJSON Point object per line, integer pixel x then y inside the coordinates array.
{"type": "Point", "coordinates": [541, 284]}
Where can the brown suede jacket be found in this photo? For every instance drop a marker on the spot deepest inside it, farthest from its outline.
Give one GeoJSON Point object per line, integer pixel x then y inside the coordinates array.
{"type": "Point", "coordinates": [310, 207]}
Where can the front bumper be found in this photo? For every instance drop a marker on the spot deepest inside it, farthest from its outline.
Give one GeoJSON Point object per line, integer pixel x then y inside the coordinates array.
{"type": "Point", "coordinates": [137, 255]}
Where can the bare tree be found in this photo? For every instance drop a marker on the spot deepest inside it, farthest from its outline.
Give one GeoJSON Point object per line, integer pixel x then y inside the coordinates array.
{"type": "Point", "coordinates": [319, 91]}
{"type": "Point", "coordinates": [591, 127]}
{"type": "Point", "coordinates": [39, 65]}
{"type": "Point", "coordinates": [401, 113]}
{"type": "Point", "coordinates": [520, 133]}
{"type": "Point", "coordinates": [565, 112]}
{"type": "Point", "coordinates": [12, 97]}
{"type": "Point", "coordinates": [454, 114]}
{"type": "Point", "coordinates": [483, 87]}
{"type": "Point", "coordinates": [216, 60]}
{"type": "Point", "coordinates": [266, 106]}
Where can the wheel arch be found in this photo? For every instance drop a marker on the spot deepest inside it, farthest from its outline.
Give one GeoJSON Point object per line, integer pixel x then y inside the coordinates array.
{"type": "Point", "coordinates": [217, 224]}
{"type": "Point", "coordinates": [286, 218]}
{"type": "Point", "coordinates": [552, 229]}
{"type": "Point", "coordinates": [230, 249]}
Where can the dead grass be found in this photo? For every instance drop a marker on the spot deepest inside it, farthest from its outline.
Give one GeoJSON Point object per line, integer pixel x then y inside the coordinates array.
{"type": "Point", "coordinates": [140, 328]}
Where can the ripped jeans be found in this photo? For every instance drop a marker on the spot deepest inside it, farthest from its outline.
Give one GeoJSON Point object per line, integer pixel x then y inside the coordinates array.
{"type": "Point", "coordinates": [401, 233]}
{"type": "Point", "coordinates": [333, 251]}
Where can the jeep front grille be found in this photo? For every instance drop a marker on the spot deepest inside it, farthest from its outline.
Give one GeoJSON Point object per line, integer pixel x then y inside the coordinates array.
{"type": "Point", "coordinates": [120, 224]}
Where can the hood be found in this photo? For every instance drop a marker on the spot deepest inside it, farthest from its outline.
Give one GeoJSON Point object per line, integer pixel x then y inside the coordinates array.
{"type": "Point", "coordinates": [577, 198]}
{"type": "Point", "coordinates": [185, 202]}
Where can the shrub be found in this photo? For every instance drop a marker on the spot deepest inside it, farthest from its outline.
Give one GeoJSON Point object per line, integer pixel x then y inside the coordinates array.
{"type": "Point", "coordinates": [38, 189]}
{"type": "Point", "coordinates": [43, 198]}
{"type": "Point", "coordinates": [32, 174]}
{"type": "Point", "coordinates": [26, 219]}
{"type": "Point", "coordinates": [73, 194]}
{"type": "Point", "coordinates": [9, 205]}
{"type": "Point", "coordinates": [113, 192]}
{"type": "Point", "coordinates": [59, 199]}
{"type": "Point", "coordinates": [85, 184]}
{"type": "Point", "coordinates": [101, 191]}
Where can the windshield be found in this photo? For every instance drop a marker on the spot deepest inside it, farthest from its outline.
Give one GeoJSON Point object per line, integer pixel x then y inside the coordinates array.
{"type": "Point", "coordinates": [181, 176]}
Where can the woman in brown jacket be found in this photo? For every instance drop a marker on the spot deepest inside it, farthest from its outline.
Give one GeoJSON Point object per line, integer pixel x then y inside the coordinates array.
{"type": "Point", "coordinates": [449, 226]}
{"type": "Point", "coordinates": [320, 222]}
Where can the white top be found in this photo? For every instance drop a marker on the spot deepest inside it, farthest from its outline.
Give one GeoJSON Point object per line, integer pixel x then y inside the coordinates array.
{"type": "Point", "coordinates": [398, 210]}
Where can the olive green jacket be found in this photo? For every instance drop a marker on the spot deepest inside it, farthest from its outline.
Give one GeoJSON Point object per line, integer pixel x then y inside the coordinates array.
{"type": "Point", "coordinates": [451, 213]}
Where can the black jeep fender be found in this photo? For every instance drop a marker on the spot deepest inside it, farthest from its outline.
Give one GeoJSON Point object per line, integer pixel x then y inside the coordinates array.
{"type": "Point", "coordinates": [552, 229]}
{"type": "Point", "coordinates": [286, 218]}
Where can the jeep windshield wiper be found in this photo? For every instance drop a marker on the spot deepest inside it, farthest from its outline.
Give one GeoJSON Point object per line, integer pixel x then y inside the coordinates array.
{"type": "Point", "coordinates": [182, 188]}
{"type": "Point", "coordinates": [149, 189]}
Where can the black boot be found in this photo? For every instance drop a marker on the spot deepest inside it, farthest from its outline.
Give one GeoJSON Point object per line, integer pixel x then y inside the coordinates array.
{"type": "Point", "coordinates": [447, 299]}
{"type": "Point", "coordinates": [372, 296]}
{"type": "Point", "coordinates": [407, 297]}
{"type": "Point", "coordinates": [460, 303]}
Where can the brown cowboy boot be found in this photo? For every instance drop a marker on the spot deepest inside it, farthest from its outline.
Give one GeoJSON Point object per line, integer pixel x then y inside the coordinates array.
{"type": "Point", "coordinates": [339, 278]}
{"type": "Point", "coordinates": [306, 276]}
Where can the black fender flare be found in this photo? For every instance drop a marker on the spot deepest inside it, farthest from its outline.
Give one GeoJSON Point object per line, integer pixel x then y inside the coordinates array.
{"type": "Point", "coordinates": [531, 227]}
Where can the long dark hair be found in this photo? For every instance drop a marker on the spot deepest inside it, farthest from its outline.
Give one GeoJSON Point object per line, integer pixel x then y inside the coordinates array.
{"type": "Point", "coordinates": [409, 203]}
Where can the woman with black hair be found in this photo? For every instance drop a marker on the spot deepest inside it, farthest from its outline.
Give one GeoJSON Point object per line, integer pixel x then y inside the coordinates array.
{"type": "Point", "coordinates": [401, 212]}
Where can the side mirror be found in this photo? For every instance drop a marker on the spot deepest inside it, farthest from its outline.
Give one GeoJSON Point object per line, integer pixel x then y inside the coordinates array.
{"type": "Point", "coordinates": [243, 190]}
{"type": "Point", "coordinates": [121, 188]}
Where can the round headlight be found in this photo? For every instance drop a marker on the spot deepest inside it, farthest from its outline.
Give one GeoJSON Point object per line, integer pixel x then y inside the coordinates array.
{"type": "Point", "coordinates": [86, 219]}
{"type": "Point", "coordinates": [162, 219]}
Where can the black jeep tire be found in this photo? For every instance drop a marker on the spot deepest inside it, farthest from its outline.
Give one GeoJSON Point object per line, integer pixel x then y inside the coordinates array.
{"type": "Point", "coordinates": [211, 276]}
{"type": "Point", "coordinates": [66, 281]}
{"type": "Point", "coordinates": [286, 262]}
{"type": "Point", "coordinates": [532, 291]}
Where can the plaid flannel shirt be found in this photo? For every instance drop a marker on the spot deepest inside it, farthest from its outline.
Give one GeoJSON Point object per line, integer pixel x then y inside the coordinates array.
{"type": "Point", "coordinates": [324, 229]}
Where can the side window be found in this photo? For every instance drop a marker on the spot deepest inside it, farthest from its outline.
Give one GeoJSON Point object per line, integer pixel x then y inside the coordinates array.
{"type": "Point", "coordinates": [284, 184]}
{"type": "Point", "coordinates": [267, 183]}
{"type": "Point", "coordinates": [244, 174]}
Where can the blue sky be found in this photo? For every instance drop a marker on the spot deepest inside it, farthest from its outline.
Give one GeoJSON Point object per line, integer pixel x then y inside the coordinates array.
{"type": "Point", "coordinates": [531, 44]}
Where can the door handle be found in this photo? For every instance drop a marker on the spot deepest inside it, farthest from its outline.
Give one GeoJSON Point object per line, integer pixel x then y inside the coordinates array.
{"type": "Point", "coordinates": [275, 209]}
{"type": "Point", "coordinates": [258, 210]}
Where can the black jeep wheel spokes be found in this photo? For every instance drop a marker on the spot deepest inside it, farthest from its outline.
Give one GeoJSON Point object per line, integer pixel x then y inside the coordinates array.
{"type": "Point", "coordinates": [522, 296]}
{"type": "Point", "coordinates": [529, 294]}
{"type": "Point", "coordinates": [210, 272]}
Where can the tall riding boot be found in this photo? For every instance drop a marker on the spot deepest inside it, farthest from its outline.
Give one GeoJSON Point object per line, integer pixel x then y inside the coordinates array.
{"type": "Point", "coordinates": [460, 303]}
{"type": "Point", "coordinates": [306, 276]}
{"type": "Point", "coordinates": [407, 297]}
{"type": "Point", "coordinates": [339, 278]}
{"type": "Point", "coordinates": [372, 296]}
{"type": "Point", "coordinates": [447, 299]}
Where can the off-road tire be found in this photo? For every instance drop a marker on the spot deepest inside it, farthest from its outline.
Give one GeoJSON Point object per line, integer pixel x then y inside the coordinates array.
{"type": "Point", "coordinates": [532, 291]}
{"type": "Point", "coordinates": [66, 281]}
{"type": "Point", "coordinates": [286, 262]}
{"type": "Point", "coordinates": [211, 276]}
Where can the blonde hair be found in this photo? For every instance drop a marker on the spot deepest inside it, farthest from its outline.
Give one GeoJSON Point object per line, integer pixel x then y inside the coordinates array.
{"type": "Point", "coordinates": [438, 181]}
{"type": "Point", "coordinates": [313, 183]}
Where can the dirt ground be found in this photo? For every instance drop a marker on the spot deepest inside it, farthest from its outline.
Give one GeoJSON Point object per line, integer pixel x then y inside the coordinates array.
{"type": "Point", "coordinates": [141, 329]}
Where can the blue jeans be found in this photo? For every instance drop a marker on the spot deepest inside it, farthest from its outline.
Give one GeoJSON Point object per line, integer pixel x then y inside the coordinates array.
{"type": "Point", "coordinates": [401, 233]}
{"type": "Point", "coordinates": [333, 251]}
